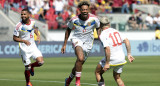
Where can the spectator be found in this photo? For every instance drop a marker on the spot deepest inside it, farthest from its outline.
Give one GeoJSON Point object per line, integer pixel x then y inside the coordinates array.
{"type": "Point", "coordinates": [125, 6]}
{"type": "Point", "coordinates": [156, 20]}
{"type": "Point", "coordinates": [133, 6]}
{"type": "Point", "coordinates": [6, 7]}
{"type": "Point", "coordinates": [132, 22]}
{"type": "Point", "coordinates": [45, 6]}
{"type": "Point", "coordinates": [60, 20]}
{"type": "Point", "coordinates": [41, 16]}
{"type": "Point", "coordinates": [93, 9]}
{"type": "Point", "coordinates": [35, 6]}
{"type": "Point", "coordinates": [149, 21]}
{"type": "Point", "coordinates": [59, 5]}
{"type": "Point", "coordinates": [23, 4]}
{"type": "Point", "coordinates": [108, 8]}
{"type": "Point", "coordinates": [140, 23]}
{"type": "Point", "coordinates": [157, 33]}
{"type": "Point", "coordinates": [16, 4]}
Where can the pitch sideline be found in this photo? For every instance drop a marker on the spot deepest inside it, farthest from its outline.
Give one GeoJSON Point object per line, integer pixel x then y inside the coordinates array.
{"type": "Point", "coordinates": [44, 81]}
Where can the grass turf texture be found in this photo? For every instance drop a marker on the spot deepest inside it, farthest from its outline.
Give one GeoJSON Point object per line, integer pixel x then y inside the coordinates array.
{"type": "Point", "coordinates": [144, 71]}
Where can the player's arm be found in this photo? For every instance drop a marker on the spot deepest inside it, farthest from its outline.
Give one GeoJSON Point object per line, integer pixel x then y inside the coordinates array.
{"type": "Point", "coordinates": [18, 39]}
{"type": "Point", "coordinates": [38, 35]}
{"type": "Point", "coordinates": [128, 47]}
{"type": "Point", "coordinates": [98, 31]}
{"type": "Point", "coordinates": [98, 28]}
{"type": "Point", "coordinates": [67, 34]}
{"type": "Point", "coordinates": [107, 56]}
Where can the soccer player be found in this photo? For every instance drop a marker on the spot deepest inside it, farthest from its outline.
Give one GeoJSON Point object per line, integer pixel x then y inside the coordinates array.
{"type": "Point", "coordinates": [24, 34]}
{"type": "Point", "coordinates": [82, 38]}
{"type": "Point", "coordinates": [114, 56]}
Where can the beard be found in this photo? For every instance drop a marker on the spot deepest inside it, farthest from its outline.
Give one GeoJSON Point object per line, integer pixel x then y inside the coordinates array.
{"type": "Point", "coordinates": [24, 20]}
{"type": "Point", "coordinates": [85, 15]}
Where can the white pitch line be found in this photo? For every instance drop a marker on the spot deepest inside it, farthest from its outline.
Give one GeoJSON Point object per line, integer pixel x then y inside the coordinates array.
{"type": "Point", "coordinates": [44, 81]}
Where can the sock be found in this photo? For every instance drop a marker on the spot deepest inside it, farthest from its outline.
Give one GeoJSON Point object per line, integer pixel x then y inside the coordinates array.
{"type": "Point", "coordinates": [101, 84]}
{"type": "Point", "coordinates": [78, 76]}
{"type": "Point", "coordinates": [35, 64]}
{"type": "Point", "coordinates": [71, 77]}
{"type": "Point", "coordinates": [27, 76]}
{"type": "Point", "coordinates": [122, 85]}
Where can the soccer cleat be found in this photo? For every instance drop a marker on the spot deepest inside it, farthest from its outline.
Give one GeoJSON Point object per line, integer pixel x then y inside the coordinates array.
{"type": "Point", "coordinates": [77, 85]}
{"type": "Point", "coordinates": [66, 83]}
{"type": "Point", "coordinates": [32, 71]}
{"type": "Point", "coordinates": [29, 84]}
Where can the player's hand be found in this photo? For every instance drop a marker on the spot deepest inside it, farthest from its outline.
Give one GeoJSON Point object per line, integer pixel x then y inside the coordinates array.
{"type": "Point", "coordinates": [63, 49]}
{"type": "Point", "coordinates": [106, 67]}
{"type": "Point", "coordinates": [27, 42]}
{"type": "Point", "coordinates": [38, 39]}
{"type": "Point", "coordinates": [130, 58]}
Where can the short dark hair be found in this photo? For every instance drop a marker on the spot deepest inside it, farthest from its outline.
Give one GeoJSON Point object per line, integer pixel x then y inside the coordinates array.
{"type": "Point", "coordinates": [83, 3]}
{"type": "Point", "coordinates": [26, 10]}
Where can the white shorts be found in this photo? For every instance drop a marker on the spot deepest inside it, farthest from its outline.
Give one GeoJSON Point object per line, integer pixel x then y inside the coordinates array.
{"type": "Point", "coordinates": [86, 46]}
{"type": "Point", "coordinates": [117, 68]}
{"type": "Point", "coordinates": [27, 55]}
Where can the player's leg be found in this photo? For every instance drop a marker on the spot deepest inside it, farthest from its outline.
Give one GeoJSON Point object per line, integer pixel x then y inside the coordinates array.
{"type": "Point", "coordinates": [37, 55]}
{"type": "Point", "coordinates": [27, 75]}
{"type": "Point", "coordinates": [99, 77]}
{"type": "Point", "coordinates": [26, 62]}
{"type": "Point", "coordinates": [71, 76]}
{"type": "Point", "coordinates": [79, 63]}
{"type": "Point", "coordinates": [116, 74]}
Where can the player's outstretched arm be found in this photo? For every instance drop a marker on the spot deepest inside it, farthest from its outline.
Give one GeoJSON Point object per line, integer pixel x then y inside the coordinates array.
{"type": "Point", "coordinates": [128, 47]}
{"type": "Point", "coordinates": [67, 34]}
{"type": "Point", "coordinates": [17, 39]}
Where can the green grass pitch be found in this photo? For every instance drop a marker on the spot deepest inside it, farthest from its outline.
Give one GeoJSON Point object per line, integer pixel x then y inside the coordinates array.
{"type": "Point", "coordinates": [144, 71]}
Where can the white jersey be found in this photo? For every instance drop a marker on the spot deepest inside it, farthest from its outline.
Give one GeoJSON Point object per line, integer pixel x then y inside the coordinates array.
{"type": "Point", "coordinates": [26, 32]}
{"type": "Point", "coordinates": [83, 30]}
{"type": "Point", "coordinates": [113, 38]}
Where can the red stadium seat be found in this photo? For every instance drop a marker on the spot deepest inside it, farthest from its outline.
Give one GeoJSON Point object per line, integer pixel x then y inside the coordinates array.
{"type": "Point", "coordinates": [36, 16]}
{"type": "Point", "coordinates": [52, 25]}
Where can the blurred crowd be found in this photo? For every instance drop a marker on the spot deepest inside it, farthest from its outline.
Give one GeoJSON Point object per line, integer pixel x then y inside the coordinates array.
{"type": "Point", "coordinates": [136, 22]}
{"type": "Point", "coordinates": [56, 13]}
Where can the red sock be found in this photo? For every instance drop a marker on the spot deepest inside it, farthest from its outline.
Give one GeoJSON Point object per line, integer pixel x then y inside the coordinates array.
{"type": "Point", "coordinates": [78, 76]}
{"type": "Point", "coordinates": [35, 64]}
{"type": "Point", "coordinates": [27, 75]}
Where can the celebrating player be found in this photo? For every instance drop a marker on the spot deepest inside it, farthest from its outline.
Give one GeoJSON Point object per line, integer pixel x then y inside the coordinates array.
{"type": "Point", "coordinates": [114, 56]}
{"type": "Point", "coordinates": [24, 34]}
{"type": "Point", "coordinates": [82, 39]}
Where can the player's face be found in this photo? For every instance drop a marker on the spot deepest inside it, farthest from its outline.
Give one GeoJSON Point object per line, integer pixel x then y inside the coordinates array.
{"type": "Point", "coordinates": [84, 11]}
{"type": "Point", "coordinates": [24, 16]}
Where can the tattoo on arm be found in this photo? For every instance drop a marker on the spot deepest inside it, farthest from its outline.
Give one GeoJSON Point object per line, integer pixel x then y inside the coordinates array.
{"type": "Point", "coordinates": [128, 47]}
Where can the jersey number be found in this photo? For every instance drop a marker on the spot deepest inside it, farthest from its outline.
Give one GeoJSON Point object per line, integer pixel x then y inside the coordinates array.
{"type": "Point", "coordinates": [31, 36]}
{"type": "Point", "coordinates": [116, 36]}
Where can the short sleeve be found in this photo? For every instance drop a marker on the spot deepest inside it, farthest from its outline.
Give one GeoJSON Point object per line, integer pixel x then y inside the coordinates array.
{"type": "Point", "coordinates": [104, 40]}
{"type": "Point", "coordinates": [97, 22]}
{"type": "Point", "coordinates": [123, 37]}
{"type": "Point", "coordinates": [70, 24]}
{"type": "Point", "coordinates": [16, 31]}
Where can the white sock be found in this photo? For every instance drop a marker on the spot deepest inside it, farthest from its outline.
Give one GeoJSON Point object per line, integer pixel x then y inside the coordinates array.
{"type": "Point", "coordinates": [78, 74]}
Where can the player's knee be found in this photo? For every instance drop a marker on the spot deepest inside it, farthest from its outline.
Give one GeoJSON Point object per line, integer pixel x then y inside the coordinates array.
{"type": "Point", "coordinates": [27, 67]}
{"type": "Point", "coordinates": [80, 60]}
{"type": "Point", "coordinates": [41, 63]}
